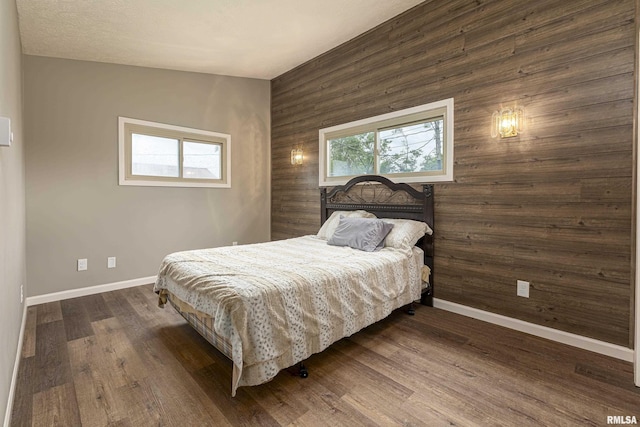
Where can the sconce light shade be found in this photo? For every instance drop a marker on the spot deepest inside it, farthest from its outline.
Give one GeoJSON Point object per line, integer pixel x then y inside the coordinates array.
{"type": "Point", "coordinates": [297, 156]}
{"type": "Point", "coordinates": [507, 122]}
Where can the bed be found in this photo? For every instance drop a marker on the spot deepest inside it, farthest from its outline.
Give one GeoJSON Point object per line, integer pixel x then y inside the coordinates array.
{"type": "Point", "coordinates": [269, 306]}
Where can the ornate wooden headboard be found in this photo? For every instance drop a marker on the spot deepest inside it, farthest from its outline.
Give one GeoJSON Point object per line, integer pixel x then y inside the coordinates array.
{"type": "Point", "coordinates": [385, 199]}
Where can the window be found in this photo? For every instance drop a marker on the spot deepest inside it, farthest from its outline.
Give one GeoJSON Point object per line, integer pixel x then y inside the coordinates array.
{"type": "Point", "coordinates": [412, 145]}
{"type": "Point", "coordinates": [155, 154]}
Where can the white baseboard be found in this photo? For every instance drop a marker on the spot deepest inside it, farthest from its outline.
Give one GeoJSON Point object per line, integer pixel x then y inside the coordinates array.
{"type": "Point", "coordinates": [574, 340]}
{"type": "Point", "coordinates": [91, 290]}
{"type": "Point", "coordinates": [16, 365]}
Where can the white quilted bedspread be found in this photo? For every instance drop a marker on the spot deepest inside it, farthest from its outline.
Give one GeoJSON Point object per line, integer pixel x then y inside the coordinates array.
{"type": "Point", "coordinates": [278, 303]}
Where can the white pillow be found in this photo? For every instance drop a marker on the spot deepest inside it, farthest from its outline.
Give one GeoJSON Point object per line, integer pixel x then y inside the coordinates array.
{"type": "Point", "coordinates": [405, 233]}
{"type": "Point", "coordinates": [330, 225]}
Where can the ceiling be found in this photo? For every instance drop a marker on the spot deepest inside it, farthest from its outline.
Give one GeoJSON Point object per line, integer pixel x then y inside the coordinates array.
{"type": "Point", "coordinates": [247, 38]}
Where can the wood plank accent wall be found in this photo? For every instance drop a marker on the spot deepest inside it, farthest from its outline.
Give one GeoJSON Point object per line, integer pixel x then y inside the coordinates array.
{"type": "Point", "coordinates": [552, 206]}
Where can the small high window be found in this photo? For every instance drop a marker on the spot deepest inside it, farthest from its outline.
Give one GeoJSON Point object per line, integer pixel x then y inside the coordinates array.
{"type": "Point", "coordinates": [412, 145]}
{"type": "Point", "coordinates": [156, 154]}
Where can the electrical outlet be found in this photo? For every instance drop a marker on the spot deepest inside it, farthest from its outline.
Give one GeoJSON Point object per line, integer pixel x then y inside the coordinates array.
{"type": "Point", "coordinates": [82, 264]}
{"type": "Point", "coordinates": [235, 243]}
{"type": "Point", "coordinates": [523, 288]}
{"type": "Point", "coordinates": [111, 262]}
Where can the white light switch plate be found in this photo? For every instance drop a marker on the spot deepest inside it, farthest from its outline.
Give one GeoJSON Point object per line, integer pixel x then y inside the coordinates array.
{"type": "Point", "coordinates": [5, 132]}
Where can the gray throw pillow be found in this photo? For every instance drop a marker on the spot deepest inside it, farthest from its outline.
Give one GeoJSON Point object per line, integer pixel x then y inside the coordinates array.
{"type": "Point", "coordinates": [365, 234]}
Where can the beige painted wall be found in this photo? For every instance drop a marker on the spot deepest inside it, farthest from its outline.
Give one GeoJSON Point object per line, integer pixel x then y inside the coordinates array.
{"type": "Point", "coordinates": [12, 202]}
{"type": "Point", "coordinates": [75, 207]}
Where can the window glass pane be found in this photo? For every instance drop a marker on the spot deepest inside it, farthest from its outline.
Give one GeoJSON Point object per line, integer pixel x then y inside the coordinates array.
{"type": "Point", "coordinates": [202, 161]}
{"type": "Point", "coordinates": [416, 147]}
{"type": "Point", "coordinates": [351, 155]}
{"type": "Point", "coordinates": [154, 156]}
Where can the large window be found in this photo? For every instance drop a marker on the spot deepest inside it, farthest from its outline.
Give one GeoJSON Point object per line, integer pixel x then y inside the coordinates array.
{"type": "Point", "coordinates": [156, 154]}
{"type": "Point", "coordinates": [412, 145]}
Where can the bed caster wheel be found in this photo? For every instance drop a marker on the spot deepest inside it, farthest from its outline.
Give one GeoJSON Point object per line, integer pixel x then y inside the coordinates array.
{"type": "Point", "coordinates": [411, 310]}
{"type": "Point", "coordinates": [303, 372]}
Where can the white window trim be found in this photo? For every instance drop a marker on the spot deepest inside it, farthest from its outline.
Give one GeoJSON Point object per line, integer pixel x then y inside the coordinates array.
{"type": "Point", "coordinates": [122, 180]}
{"type": "Point", "coordinates": [447, 104]}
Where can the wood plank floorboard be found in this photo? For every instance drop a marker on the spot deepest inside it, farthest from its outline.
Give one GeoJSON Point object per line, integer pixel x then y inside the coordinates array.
{"type": "Point", "coordinates": [117, 359]}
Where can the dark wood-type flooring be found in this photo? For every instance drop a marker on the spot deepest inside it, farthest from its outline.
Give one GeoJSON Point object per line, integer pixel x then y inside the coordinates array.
{"type": "Point", "coordinates": [118, 359]}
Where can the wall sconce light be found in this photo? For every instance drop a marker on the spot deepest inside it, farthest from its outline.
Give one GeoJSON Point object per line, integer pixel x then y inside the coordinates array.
{"type": "Point", "coordinates": [507, 122]}
{"type": "Point", "coordinates": [297, 156]}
